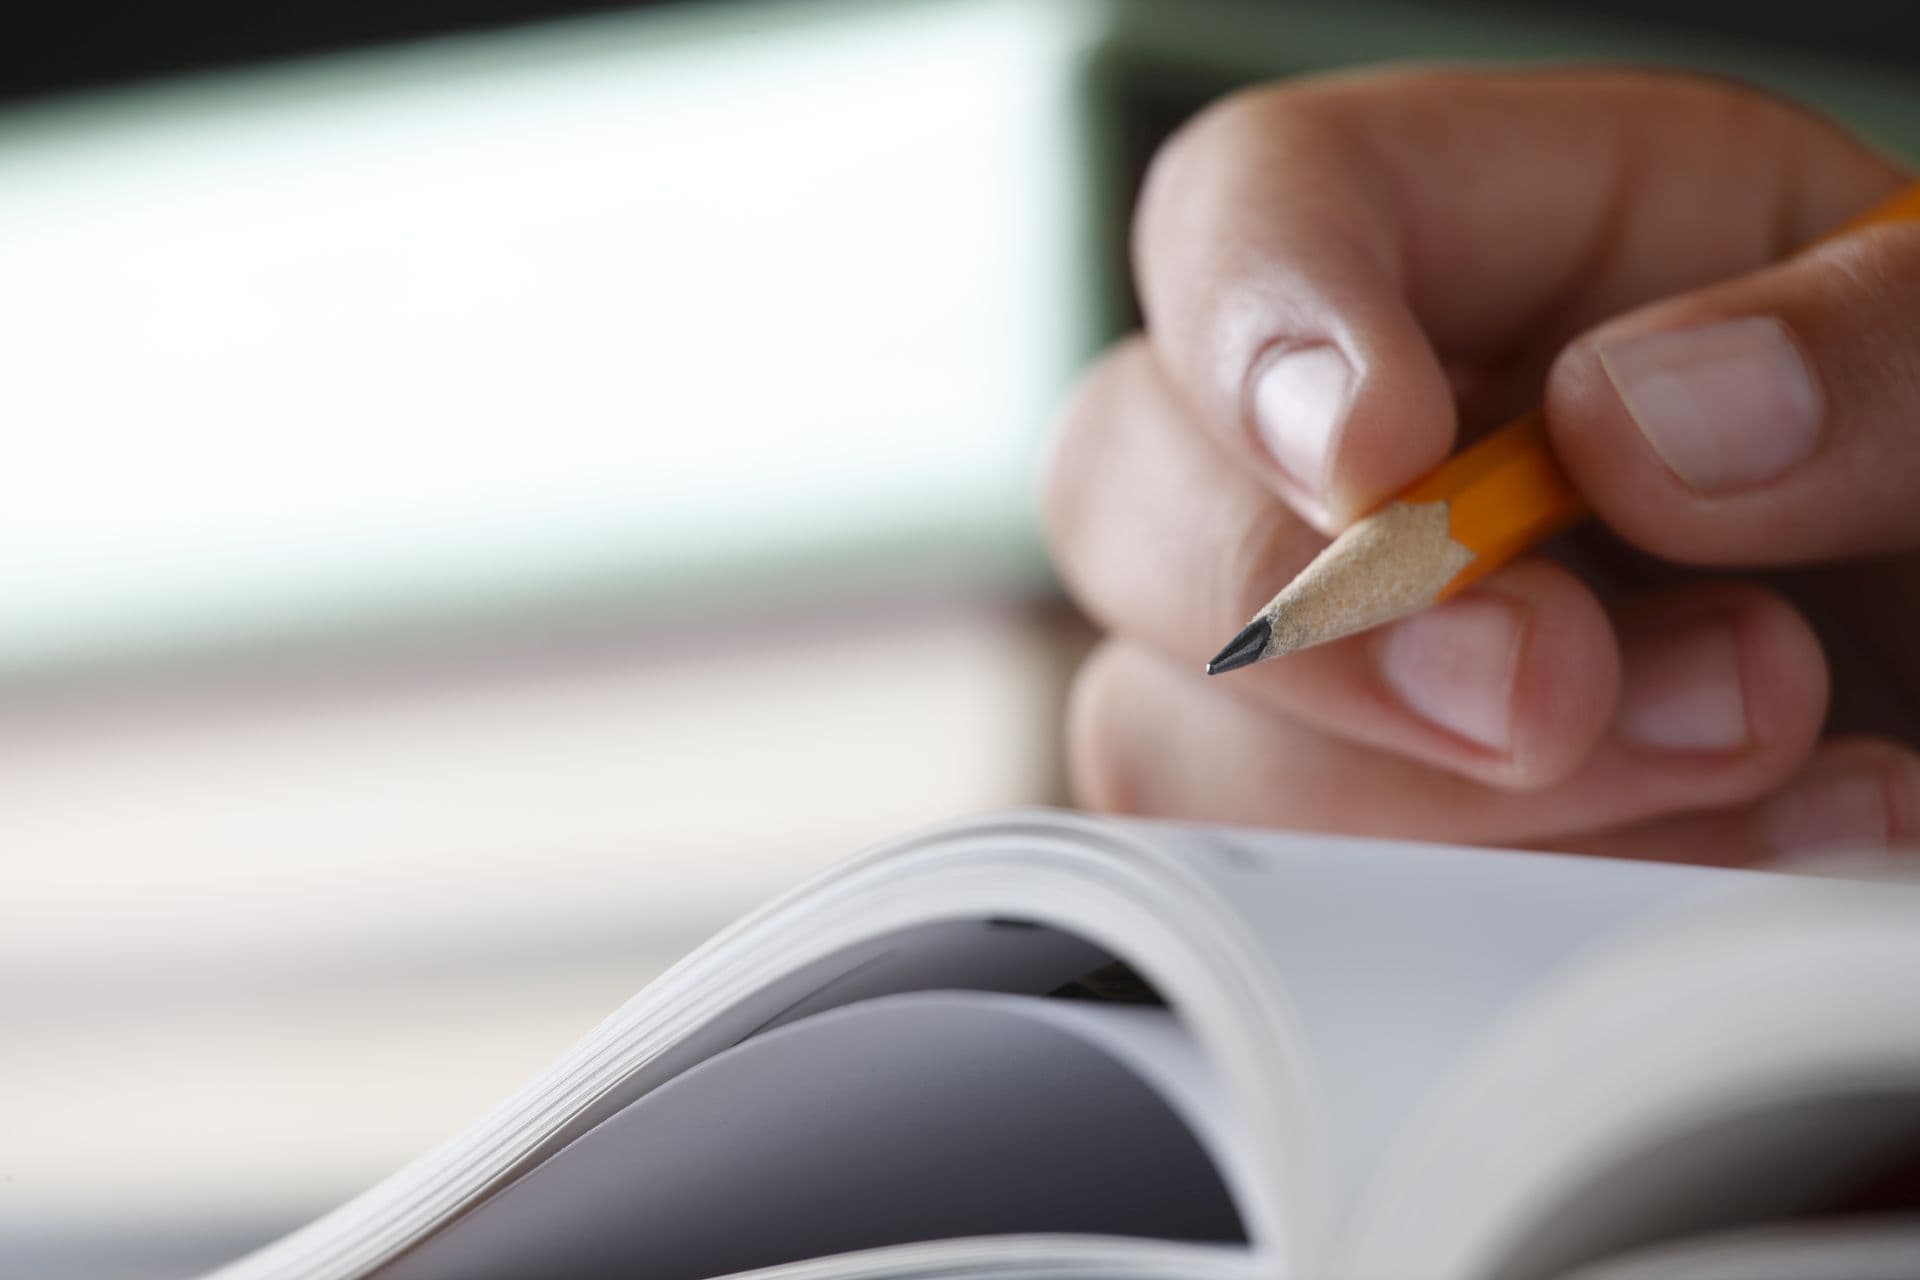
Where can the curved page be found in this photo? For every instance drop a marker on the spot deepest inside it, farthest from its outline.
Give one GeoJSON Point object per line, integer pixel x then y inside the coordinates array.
{"type": "Point", "coordinates": [1032, 1258]}
{"type": "Point", "coordinates": [1751, 1061]}
{"type": "Point", "coordinates": [1022, 902]}
{"type": "Point", "coordinates": [906, 1119]}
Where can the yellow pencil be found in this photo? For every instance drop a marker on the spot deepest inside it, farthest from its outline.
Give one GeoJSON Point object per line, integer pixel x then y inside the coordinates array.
{"type": "Point", "coordinates": [1464, 519]}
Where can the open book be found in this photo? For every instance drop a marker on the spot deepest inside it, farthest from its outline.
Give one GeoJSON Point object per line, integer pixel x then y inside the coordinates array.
{"type": "Point", "coordinates": [1046, 1045]}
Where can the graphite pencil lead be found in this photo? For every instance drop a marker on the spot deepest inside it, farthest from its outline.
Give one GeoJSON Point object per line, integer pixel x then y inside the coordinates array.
{"type": "Point", "coordinates": [1244, 649]}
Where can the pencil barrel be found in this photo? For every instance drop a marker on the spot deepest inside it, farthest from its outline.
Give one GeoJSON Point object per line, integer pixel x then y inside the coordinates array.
{"type": "Point", "coordinates": [1503, 495]}
{"type": "Point", "coordinates": [1507, 493]}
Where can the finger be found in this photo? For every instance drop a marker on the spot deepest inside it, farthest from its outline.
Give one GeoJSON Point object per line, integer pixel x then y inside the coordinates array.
{"type": "Point", "coordinates": [1148, 737]}
{"type": "Point", "coordinates": [1163, 538]}
{"type": "Point", "coordinates": [1312, 256]}
{"type": "Point", "coordinates": [1153, 528]}
{"type": "Point", "coordinates": [1766, 420]}
{"type": "Point", "coordinates": [1854, 796]}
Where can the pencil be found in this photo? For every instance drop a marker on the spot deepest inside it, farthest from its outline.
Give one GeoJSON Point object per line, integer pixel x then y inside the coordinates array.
{"type": "Point", "coordinates": [1461, 521]}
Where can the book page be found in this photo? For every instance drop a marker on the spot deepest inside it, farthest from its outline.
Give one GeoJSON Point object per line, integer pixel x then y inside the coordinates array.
{"type": "Point", "coordinates": [898, 1120]}
{"type": "Point", "coordinates": [1838, 1249]}
{"type": "Point", "coordinates": [1337, 990]}
{"type": "Point", "coordinates": [1395, 960]}
{"type": "Point", "coordinates": [1746, 1061]}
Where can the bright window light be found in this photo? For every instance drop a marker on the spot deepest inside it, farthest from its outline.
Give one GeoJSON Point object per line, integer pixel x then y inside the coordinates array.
{"type": "Point", "coordinates": [394, 334]}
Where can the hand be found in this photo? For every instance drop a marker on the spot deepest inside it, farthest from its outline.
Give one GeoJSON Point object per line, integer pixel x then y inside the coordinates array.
{"type": "Point", "coordinates": [1341, 278]}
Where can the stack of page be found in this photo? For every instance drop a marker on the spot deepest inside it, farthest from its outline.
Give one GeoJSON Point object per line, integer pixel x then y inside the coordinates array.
{"type": "Point", "coordinates": [1046, 1045]}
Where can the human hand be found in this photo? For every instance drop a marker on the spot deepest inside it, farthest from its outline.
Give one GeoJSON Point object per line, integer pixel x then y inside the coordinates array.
{"type": "Point", "coordinates": [1341, 276]}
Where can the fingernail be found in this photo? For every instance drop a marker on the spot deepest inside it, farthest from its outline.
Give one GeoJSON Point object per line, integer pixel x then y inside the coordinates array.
{"type": "Point", "coordinates": [1454, 664]}
{"type": "Point", "coordinates": [1849, 811]}
{"type": "Point", "coordinates": [1726, 406]}
{"type": "Point", "coordinates": [1683, 692]}
{"type": "Point", "coordinates": [1299, 400]}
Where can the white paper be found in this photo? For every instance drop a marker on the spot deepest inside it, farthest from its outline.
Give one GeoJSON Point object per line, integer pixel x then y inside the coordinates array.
{"type": "Point", "coordinates": [893, 1121]}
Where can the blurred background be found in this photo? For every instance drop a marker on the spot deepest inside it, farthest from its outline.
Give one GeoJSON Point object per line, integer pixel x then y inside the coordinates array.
{"type": "Point", "coordinates": [494, 488]}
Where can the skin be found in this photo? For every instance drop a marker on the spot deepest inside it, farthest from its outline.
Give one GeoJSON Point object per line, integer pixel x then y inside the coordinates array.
{"type": "Point", "coordinates": [1470, 241]}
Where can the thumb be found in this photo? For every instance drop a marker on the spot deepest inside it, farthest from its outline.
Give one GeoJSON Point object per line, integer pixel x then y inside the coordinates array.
{"type": "Point", "coordinates": [1768, 420]}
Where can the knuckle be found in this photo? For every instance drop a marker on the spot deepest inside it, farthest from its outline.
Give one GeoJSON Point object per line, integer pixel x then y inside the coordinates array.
{"type": "Point", "coordinates": [1096, 765]}
{"type": "Point", "coordinates": [1258, 556]}
{"type": "Point", "coordinates": [1222, 125]}
{"type": "Point", "coordinates": [1739, 107]}
{"type": "Point", "coordinates": [1870, 749]}
{"type": "Point", "coordinates": [1728, 107]}
{"type": "Point", "coordinates": [1902, 771]}
{"type": "Point", "coordinates": [1071, 471]}
{"type": "Point", "coordinates": [1893, 762]}
{"type": "Point", "coordinates": [1876, 267]}
{"type": "Point", "coordinates": [1222, 138]}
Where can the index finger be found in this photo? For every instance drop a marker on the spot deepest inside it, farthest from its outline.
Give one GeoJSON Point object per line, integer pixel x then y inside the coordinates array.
{"type": "Point", "coordinates": [1315, 258]}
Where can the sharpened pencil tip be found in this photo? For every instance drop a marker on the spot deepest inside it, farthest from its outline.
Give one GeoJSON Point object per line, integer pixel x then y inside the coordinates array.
{"type": "Point", "coordinates": [1244, 649]}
